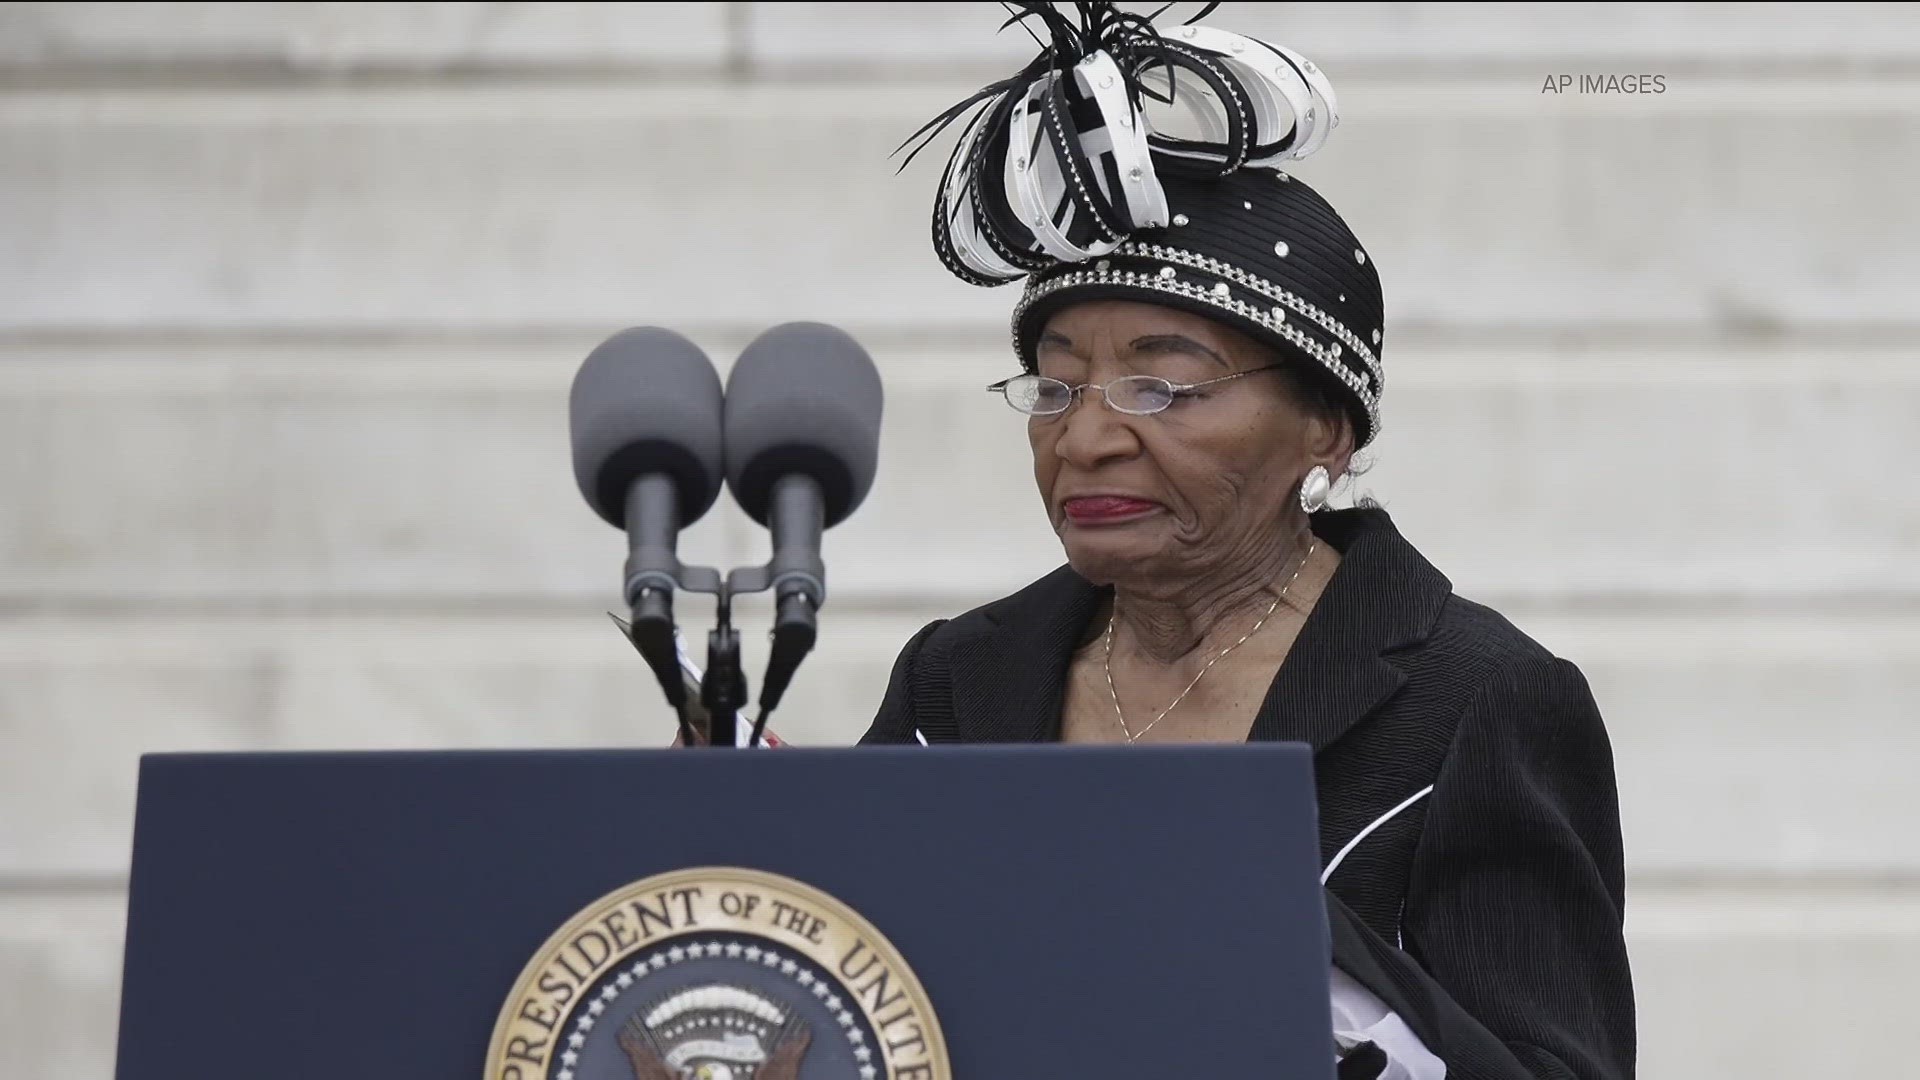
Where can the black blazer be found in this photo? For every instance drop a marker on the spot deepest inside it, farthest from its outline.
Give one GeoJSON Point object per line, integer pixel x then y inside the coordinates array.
{"type": "Point", "coordinates": [1466, 790]}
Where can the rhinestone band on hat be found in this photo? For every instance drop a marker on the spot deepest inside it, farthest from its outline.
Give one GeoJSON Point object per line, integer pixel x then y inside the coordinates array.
{"type": "Point", "coordinates": [1260, 285]}
{"type": "Point", "coordinates": [1328, 356]}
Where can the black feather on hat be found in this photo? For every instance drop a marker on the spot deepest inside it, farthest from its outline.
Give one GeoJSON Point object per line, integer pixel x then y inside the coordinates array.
{"type": "Point", "coordinates": [1065, 175]}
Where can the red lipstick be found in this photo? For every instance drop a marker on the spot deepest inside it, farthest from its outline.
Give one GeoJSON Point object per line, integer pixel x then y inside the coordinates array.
{"type": "Point", "coordinates": [1106, 509]}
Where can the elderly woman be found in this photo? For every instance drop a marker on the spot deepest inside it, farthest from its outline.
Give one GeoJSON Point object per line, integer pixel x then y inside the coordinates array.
{"type": "Point", "coordinates": [1193, 387]}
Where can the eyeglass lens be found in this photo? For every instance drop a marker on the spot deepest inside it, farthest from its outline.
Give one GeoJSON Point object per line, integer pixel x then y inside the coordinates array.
{"type": "Point", "coordinates": [1041, 396]}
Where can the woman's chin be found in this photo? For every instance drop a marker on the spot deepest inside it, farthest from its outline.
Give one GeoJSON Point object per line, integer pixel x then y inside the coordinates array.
{"type": "Point", "coordinates": [1100, 555]}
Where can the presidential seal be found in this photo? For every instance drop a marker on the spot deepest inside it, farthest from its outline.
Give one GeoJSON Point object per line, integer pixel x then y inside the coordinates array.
{"type": "Point", "coordinates": [717, 974]}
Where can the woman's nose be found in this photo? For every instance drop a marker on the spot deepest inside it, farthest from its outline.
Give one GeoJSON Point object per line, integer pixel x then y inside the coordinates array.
{"type": "Point", "coordinates": [1091, 432]}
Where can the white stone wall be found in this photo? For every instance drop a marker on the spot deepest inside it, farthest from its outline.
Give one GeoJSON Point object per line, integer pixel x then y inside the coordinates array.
{"type": "Point", "coordinates": [290, 295]}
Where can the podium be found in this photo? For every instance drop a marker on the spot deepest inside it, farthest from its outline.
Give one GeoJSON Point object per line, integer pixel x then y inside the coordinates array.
{"type": "Point", "coordinates": [1023, 912]}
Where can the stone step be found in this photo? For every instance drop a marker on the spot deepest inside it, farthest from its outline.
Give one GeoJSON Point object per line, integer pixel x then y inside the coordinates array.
{"type": "Point", "coordinates": [1746, 746]}
{"type": "Point", "coordinates": [850, 40]}
{"type": "Point", "coordinates": [583, 206]}
{"type": "Point", "coordinates": [431, 474]}
{"type": "Point", "coordinates": [1726, 981]}
{"type": "Point", "coordinates": [1731, 984]}
{"type": "Point", "coordinates": [131, 41]}
{"type": "Point", "coordinates": [60, 960]}
{"type": "Point", "coordinates": [1384, 40]}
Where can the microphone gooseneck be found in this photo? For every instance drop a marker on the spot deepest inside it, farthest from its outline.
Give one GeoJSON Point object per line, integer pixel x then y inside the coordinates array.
{"type": "Point", "coordinates": [644, 416]}
{"type": "Point", "coordinates": [802, 439]}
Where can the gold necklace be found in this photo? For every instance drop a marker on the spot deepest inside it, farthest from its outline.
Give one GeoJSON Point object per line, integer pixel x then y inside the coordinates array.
{"type": "Point", "coordinates": [1107, 661]}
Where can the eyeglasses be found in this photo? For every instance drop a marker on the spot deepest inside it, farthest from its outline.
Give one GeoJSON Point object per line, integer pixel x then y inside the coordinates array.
{"type": "Point", "coordinates": [1135, 395]}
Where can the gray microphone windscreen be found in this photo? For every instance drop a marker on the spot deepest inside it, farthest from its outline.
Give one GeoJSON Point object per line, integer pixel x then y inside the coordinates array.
{"type": "Point", "coordinates": [803, 398]}
{"type": "Point", "coordinates": [646, 401]}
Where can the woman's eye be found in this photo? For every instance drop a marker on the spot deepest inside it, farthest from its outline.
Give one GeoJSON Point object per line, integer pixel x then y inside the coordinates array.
{"type": "Point", "coordinates": [1177, 371]}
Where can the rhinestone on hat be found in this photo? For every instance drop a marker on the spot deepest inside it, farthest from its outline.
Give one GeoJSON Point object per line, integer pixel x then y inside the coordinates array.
{"type": "Point", "coordinates": [1105, 264]}
{"type": "Point", "coordinates": [1376, 337]}
{"type": "Point", "coordinates": [1365, 384]}
{"type": "Point", "coordinates": [1221, 289]}
{"type": "Point", "coordinates": [1246, 204]}
{"type": "Point", "coordinates": [1280, 248]}
{"type": "Point", "coordinates": [1359, 256]}
{"type": "Point", "coordinates": [1179, 219]}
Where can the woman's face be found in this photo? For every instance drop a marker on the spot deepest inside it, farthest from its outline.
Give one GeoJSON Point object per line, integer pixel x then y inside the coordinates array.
{"type": "Point", "coordinates": [1192, 492]}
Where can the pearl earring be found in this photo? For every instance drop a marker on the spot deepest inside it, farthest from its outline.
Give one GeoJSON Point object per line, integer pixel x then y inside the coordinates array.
{"type": "Point", "coordinates": [1315, 488]}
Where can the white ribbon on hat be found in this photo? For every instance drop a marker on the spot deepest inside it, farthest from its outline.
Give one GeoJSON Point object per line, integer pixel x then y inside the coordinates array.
{"type": "Point", "coordinates": [1287, 90]}
{"type": "Point", "coordinates": [963, 231]}
{"type": "Point", "coordinates": [1036, 177]}
{"type": "Point", "coordinates": [1286, 94]}
{"type": "Point", "coordinates": [1144, 198]}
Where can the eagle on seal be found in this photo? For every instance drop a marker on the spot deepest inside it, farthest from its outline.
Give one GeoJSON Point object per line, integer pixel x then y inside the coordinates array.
{"type": "Point", "coordinates": [715, 1033]}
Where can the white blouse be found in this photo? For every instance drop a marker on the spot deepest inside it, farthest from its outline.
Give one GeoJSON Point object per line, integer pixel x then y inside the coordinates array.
{"type": "Point", "coordinates": [1360, 1017]}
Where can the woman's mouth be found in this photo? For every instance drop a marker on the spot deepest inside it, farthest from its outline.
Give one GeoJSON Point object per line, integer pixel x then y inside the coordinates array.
{"type": "Point", "coordinates": [1106, 509]}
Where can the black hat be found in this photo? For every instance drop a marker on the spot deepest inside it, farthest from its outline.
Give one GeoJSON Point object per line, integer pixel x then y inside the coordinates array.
{"type": "Point", "coordinates": [1066, 178]}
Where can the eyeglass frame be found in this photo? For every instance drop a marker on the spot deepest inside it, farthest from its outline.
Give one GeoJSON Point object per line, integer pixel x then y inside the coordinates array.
{"type": "Point", "coordinates": [1175, 391]}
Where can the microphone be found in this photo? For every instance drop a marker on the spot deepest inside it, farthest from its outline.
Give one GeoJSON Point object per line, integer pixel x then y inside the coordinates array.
{"type": "Point", "coordinates": [802, 436]}
{"type": "Point", "coordinates": [645, 419]}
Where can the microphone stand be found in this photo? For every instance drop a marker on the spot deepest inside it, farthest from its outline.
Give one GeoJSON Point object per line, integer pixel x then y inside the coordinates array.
{"type": "Point", "coordinates": [723, 688]}
{"type": "Point", "coordinates": [797, 577]}
{"type": "Point", "coordinates": [653, 571]}
{"type": "Point", "coordinates": [795, 573]}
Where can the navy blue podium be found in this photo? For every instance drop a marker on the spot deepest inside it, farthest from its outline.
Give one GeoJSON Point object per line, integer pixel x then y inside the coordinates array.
{"type": "Point", "coordinates": [1068, 912]}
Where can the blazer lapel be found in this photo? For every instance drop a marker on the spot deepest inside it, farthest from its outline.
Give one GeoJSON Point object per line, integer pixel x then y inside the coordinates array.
{"type": "Point", "coordinates": [1384, 597]}
{"type": "Point", "coordinates": [1010, 668]}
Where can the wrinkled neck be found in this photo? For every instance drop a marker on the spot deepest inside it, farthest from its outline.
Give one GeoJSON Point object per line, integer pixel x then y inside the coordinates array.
{"type": "Point", "coordinates": [1168, 622]}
